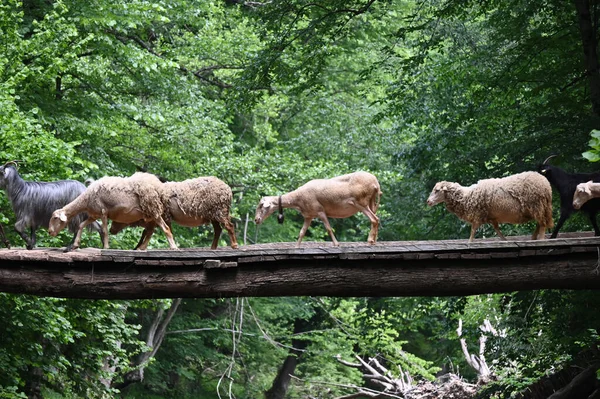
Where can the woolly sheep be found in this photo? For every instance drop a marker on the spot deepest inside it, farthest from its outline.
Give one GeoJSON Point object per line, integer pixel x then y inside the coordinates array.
{"type": "Point", "coordinates": [192, 203]}
{"type": "Point", "coordinates": [514, 199]}
{"type": "Point", "coordinates": [124, 200]}
{"type": "Point", "coordinates": [338, 197]}
{"type": "Point", "coordinates": [584, 192]}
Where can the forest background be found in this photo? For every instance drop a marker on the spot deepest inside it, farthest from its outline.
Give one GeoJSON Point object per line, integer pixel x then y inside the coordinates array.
{"type": "Point", "coordinates": [267, 96]}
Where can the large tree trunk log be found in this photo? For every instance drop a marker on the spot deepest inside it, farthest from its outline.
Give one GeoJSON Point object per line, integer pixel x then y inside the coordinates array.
{"type": "Point", "coordinates": [582, 386]}
{"type": "Point", "coordinates": [418, 268]}
{"type": "Point", "coordinates": [282, 381]}
{"type": "Point", "coordinates": [154, 337]}
{"type": "Point", "coordinates": [588, 29]}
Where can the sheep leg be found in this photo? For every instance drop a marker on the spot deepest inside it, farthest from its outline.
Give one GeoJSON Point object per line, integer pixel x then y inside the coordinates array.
{"type": "Point", "coordinates": [474, 227]}
{"type": "Point", "coordinates": [539, 233]}
{"type": "Point", "coordinates": [374, 224]}
{"type": "Point", "coordinates": [161, 223]}
{"type": "Point", "coordinates": [105, 243]}
{"type": "Point", "coordinates": [145, 238]}
{"type": "Point", "coordinates": [77, 238]}
{"type": "Point", "coordinates": [142, 245]}
{"type": "Point", "coordinates": [303, 230]}
{"type": "Point", "coordinates": [231, 231]}
{"type": "Point", "coordinates": [497, 228]}
{"type": "Point", "coordinates": [218, 230]}
{"type": "Point", "coordinates": [323, 217]}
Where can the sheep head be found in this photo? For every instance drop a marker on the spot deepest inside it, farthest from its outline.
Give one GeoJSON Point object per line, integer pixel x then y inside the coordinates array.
{"type": "Point", "coordinates": [583, 194]}
{"type": "Point", "coordinates": [438, 194]}
{"type": "Point", "coordinates": [58, 221]}
{"type": "Point", "coordinates": [265, 208]}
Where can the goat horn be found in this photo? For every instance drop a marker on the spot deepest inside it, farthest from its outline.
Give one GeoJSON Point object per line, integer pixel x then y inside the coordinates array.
{"type": "Point", "coordinates": [15, 162]}
{"type": "Point", "coordinates": [549, 158]}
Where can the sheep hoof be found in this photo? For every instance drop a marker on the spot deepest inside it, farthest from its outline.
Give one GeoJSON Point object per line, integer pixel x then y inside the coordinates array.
{"type": "Point", "coordinates": [234, 246]}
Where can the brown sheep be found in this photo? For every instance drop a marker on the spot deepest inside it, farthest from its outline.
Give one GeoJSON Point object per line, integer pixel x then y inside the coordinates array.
{"type": "Point", "coordinates": [192, 203]}
{"type": "Point", "coordinates": [338, 197]}
{"type": "Point", "coordinates": [123, 200]}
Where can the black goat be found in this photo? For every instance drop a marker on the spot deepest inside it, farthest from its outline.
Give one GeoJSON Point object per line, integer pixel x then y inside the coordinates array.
{"type": "Point", "coordinates": [565, 183]}
{"type": "Point", "coordinates": [34, 202]}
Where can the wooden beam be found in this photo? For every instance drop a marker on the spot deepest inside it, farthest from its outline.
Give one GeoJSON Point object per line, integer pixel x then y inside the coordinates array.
{"type": "Point", "coordinates": [408, 268]}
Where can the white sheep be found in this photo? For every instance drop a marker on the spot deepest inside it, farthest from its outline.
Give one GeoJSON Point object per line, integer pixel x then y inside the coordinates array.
{"type": "Point", "coordinates": [585, 192]}
{"type": "Point", "coordinates": [339, 197]}
{"type": "Point", "coordinates": [514, 199]}
{"type": "Point", "coordinates": [124, 200]}
{"type": "Point", "coordinates": [192, 203]}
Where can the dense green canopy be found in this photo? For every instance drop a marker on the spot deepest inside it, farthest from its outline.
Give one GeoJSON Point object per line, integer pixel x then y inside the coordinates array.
{"type": "Point", "coordinates": [266, 96]}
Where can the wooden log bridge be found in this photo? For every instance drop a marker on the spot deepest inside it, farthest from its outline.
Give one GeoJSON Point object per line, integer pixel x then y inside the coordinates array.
{"type": "Point", "coordinates": [407, 268]}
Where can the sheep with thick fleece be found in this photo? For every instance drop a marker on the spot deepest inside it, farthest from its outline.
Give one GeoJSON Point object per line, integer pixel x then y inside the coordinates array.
{"type": "Point", "coordinates": [338, 197]}
{"type": "Point", "coordinates": [192, 203]}
{"type": "Point", "coordinates": [514, 199]}
{"type": "Point", "coordinates": [585, 192]}
{"type": "Point", "coordinates": [125, 200]}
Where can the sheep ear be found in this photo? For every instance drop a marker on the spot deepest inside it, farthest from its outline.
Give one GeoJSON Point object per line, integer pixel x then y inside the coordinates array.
{"type": "Point", "coordinates": [62, 217]}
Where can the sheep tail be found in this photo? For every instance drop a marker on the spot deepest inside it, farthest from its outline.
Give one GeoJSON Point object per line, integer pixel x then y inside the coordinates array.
{"type": "Point", "coordinates": [376, 199]}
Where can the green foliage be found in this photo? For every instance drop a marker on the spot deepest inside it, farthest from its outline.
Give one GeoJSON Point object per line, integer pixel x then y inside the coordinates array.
{"type": "Point", "coordinates": [593, 154]}
{"type": "Point", "coordinates": [267, 97]}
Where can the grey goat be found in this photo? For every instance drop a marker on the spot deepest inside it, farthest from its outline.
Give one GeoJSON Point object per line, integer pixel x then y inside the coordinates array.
{"type": "Point", "coordinates": [34, 202]}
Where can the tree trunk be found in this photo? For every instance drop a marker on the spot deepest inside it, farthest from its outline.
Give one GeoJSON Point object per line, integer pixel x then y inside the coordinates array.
{"type": "Point", "coordinates": [154, 338]}
{"type": "Point", "coordinates": [582, 386]}
{"type": "Point", "coordinates": [284, 375]}
{"type": "Point", "coordinates": [588, 29]}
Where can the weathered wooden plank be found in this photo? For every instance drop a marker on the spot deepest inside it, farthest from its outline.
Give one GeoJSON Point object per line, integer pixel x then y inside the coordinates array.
{"type": "Point", "coordinates": [454, 267]}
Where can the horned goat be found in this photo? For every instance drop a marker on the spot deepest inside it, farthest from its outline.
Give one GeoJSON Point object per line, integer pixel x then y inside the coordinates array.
{"type": "Point", "coordinates": [34, 202]}
{"type": "Point", "coordinates": [338, 197]}
{"type": "Point", "coordinates": [585, 192]}
{"type": "Point", "coordinates": [192, 203]}
{"type": "Point", "coordinates": [514, 199]}
{"type": "Point", "coordinates": [125, 200]}
{"type": "Point", "coordinates": [565, 183]}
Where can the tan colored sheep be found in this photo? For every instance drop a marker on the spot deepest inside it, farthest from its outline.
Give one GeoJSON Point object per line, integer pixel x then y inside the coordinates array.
{"type": "Point", "coordinates": [585, 192]}
{"type": "Point", "coordinates": [124, 200]}
{"type": "Point", "coordinates": [192, 203]}
{"type": "Point", "coordinates": [514, 199]}
{"type": "Point", "coordinates": [339, 197]}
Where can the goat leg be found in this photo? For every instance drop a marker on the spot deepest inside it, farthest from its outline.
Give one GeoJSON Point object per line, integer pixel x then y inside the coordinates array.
{"type": "Point", "coordinates": [592, 216]}
{"type": "Point", "coordinates": [20, 228]}
{"type": "Point", "coordinates": [564, 215]}
{"type": "Point", "coordinates": [4, 239]}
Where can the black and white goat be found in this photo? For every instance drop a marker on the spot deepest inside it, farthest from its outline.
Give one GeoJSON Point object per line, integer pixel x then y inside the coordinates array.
{"type": "Point", "coordinates": [566, 183]}
{"type": "Point", "coordinates": [34, 202]}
